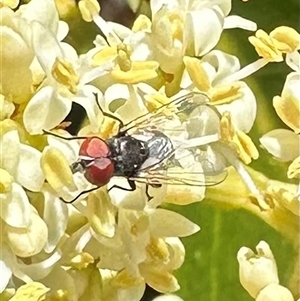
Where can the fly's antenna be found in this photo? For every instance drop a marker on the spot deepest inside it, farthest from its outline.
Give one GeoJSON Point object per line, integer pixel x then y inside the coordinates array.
{"type": "Point", "coordinates": [63, 137]}
{"type": "Point", "coordinates": [106, 114]}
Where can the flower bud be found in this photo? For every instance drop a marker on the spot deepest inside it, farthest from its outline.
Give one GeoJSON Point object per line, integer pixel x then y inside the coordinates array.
{"type": "Point", "coordinates": [257, 270]}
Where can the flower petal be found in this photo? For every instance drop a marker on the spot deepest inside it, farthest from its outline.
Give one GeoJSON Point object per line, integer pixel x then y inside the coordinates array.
{"type": "Point", "coordinates": [47, 48]}
{"type": "Point", "coordinates": [16, 57]}
{"type": "Point", "coordinates": [56, 219]}
{"type": "Point", "coordinates": [39, 270]}
{"type": "Point", "coordinates": [257, 271]}
{"type": "Point", "coordinates": [70, 148]}
{"type": "Point", "coordinates": [10, 151]}
{"type": "Point", "coordinates": [288, 105]}
{"type": "Point", "coordinates": [57, 170]}
{"type": "Point", "coordinates": [101, 213]}
{"type": "Point", "coordinates": [45, 110]}
{"type": "Point", "coordinates": [87, 99]}
{"type": "Point", "coordinates": [242, 110]}
{"type": "Point", "coordinates": [5, 269]}
{"type": "Point", "coordinates": [165, 223]}
{"type": "Point", "coordinates": [30, 241]}
{"type": "Point", "coordinates": [15, 207]}
{"type": "Point", "coordinates": [203, 29]}
{"type": "Point", "coordinates": [29, 173]}
{"type": "Point", "coordinates": [239, 22]}
{"type": "Point", "coordinates": [44, 12]}
{"type": "Point", "coordinates": [282, 144]}
{"type": "Point", "coordinates": [134, 293]}
{"type": "Point", "coordinates": [134, 200]}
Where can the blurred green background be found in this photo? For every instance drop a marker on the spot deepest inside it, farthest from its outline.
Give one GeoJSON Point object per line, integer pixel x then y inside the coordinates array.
{"type": "Point", "coordinates": [210, 271]}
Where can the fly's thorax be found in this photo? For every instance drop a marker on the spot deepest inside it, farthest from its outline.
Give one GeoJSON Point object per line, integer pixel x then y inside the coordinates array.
{"type": "Point", "coordinates": [128, 154]}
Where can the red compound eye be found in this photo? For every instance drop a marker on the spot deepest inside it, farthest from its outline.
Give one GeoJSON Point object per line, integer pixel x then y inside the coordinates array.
{"type": "Point", "coordinates": [101, 169]}
{"type": "Point", "coordinates": [100, 172]}
{"type": "Point", "coordinates": [94, 147]}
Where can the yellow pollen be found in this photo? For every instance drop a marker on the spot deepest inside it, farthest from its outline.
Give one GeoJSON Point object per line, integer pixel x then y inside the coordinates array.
{"type": "Point", "coordinates": [157, 250]}
{"type": "Point", "coordinates": [124, 279]}
{"type": "Point", "coordinates": [141, 23]}
{"type": "Point", "coordinates": [197, 73]}
{"type": "Point", "coordinates": [124, 52]}
{"type": "Point", "coordinates": [176, 25]}
{"type": "Point", "coordinates": [155, 101]}
{"type": "Point", "coordinates": [88, 9]}
{"type": "Point", "coordinates": [139, 72]}
{"type": "Point", "coordinates": [265, 46]}
{"type": "Point", "coordinates": [237, 140]}
{"type": "Point", "coordinates": [225, 94]}
{"type": "Point", "coordinates": [56, 169]}
{"type": "Point", "coordinates": [64, 74]}
{"type": "Point", "coordinates": [104, 55]}
{"type": "Point", "coordinates": [286, 39]}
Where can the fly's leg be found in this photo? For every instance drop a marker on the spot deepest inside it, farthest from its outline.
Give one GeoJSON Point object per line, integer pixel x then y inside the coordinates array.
{"type": "Point", "coordinates": [79, 195]}
{"type": "Point", "coordinates": [150, 197]}
{"type": "Point", "coordinates": [131, 184]}
{"type": "Point", "coordinates": [133, 188]}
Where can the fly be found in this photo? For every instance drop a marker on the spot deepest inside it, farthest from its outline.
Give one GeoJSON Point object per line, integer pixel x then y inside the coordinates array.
{"type": "Point", "coordinates": [145, 160]}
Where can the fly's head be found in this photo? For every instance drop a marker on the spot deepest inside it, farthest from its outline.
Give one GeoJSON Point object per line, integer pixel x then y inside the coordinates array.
{"type": "Point", "coordinates": [94, 161]}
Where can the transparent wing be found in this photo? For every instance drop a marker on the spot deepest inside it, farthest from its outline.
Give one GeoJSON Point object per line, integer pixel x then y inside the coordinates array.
{"type": "Point", "coordinates": [179, 177]}
{"type": "Point", "coordinates": [152, 120]}
{"type": "Point", "coordinates": [177, 166]}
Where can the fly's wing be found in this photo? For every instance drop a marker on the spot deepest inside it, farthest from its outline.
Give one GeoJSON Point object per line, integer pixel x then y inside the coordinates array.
{"type": "Point", "coordinates": [184, 103]}
{"type": "Point", "coordinates": [160, 149]}
{"type": "Point", "coordinates": [168, 165]}
{"type": "Point", "coordinates": [179, 176]}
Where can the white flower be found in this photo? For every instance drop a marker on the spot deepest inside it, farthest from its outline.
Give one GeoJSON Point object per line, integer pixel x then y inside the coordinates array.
{"type": "Point", "coordinates": [143, 250]}
{"type": "Point", "coordinates": [281, 41]}
{"type": "Point", "coordinates": [21, 161]}
{"type": "Point", "coordinates": [211, 75]}
{"type": "Point", "coordinates": [258, 274]}
{"type": "Point", "coordinates": [16, 56]}
{"type": "Point", "coordinates": [187, 28]}
{"type": "Point", "coordinates": [226, 116]}
{"type": "Point", "coordinates": [257, 270]}
{"type": "Point", "coordinates": [18, 51]}
{"type": "Point", "coordinates": [25, 242]}
{"type": "Point", "coordinates": [49, 75]}
{"type": "Point", "coordinates": [19, 168]}
{"type": "Point", "coordinates": [64, 82]}
{"type": "Point", "coordinates": [281, 143]}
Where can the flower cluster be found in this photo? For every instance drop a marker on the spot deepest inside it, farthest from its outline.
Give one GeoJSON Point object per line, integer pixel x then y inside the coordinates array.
{"type": "Point", "coordinates": [110, 243]}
